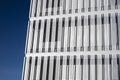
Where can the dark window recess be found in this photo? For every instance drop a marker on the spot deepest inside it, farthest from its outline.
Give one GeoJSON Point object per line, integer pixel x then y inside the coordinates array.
{"type": "Point", "coordinates": [118, 62]}
{"type": "Point", "coordinates": [56, 35]}
{"type": "Point", "coordinates": [45, 25]}
{"type": "Point", "coordinates": [103, 59]}
{"type": "Point", "coordinates": [41, 7]}
{"type": "Point", "coordinates": [51, 24]}
{"type": "Point", "coordinates": [110, 42]}
{"type": "Point", "coordinates": [47, 4]}
{"type": "Point", "coordinates": [36, 59]}
{"type": "Point", "coordinates": [54, 68]}
{"type": "Point", "coordinates": [38, 38]}
{"type": "Point", "coordinates": [64, 7]}
{"type": "Point", "coordinates": [109, 19]}
{"type": "Point", "coordinates": [96, 32]}
{"type": "Point", "coordinates": [52, 7]}
{"type": "Point", "coordinates": [82, 21]}
{"type": "Point", "coordinates": [58, 3]}
{"type": "Point", "coordinates": [68, 60]}
{"type": "Point", "coordinates": [102, 4]}
{"type": "Point", "coordinates": [95, 5]}
{"type": "Point", "coordinates": [48, 63]}
{"type": "Point", "coordinates": [96, 67]}
{"type": "Point", "coordinates": [47, 7]}
{"type": "Point", "coordinates": [89, 8]}
{"type": "Point", "coordinates": [63, 22]}
{"type": "Point", "coordinates": [89, 32]}
{"type": "Point", "coordinates": [62, 40]}
{"type": "Point", "coordinates": [61, 60]}
{"type": "Point", "coordinates": [89, 20]}
{"type": "Point", "coordinates": [33, 37]}
{"type": "Point", "coordinates": [83, 9]}
{"type": "Point", "coordinates": [44, 36]}
{"type": "Point", "coordinates": [82, 24]}
{"type": "Point", "coordinates": [69, 21]}
{"type": "Point", "coordinates": [103, 69]}
{"type": "Point", "coordinates": [116, 17]}
{"type": "Point", "coordinates": [95, 19]}
{"type": "Point", "coordinates": [50, 35]}
{"type": "Point", "coordinates": [110, 59]}
{"type": "Point", "coordinates": [35, 14]}
{"type": "Point", "coordinates": [89, 60]}
{"type": "Point", "coordinates": [41, 69]}
{"type": "Point", "coordinates": [89, 67]}
{"type": "Point", "coordinates": [29, 69]}
{"type": "Point", "coordinates": [82, 58]}
{"type": "Point", "coordinates": [56, 29]}
{"type": "Point", "coordinates": [74, 60]}
{"type": "Point", "coordinates": [103, 40]}
{"type": "Point", "coordinates": [102, 19]}
{"type": "Point", "coordinates": [58, 8]}
{"type": "Point", "coordinates": [76, 21]}
{"type": "Point", "coordinates": [116, 4]}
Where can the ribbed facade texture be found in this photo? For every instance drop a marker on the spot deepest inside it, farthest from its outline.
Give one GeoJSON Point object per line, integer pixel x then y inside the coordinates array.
{"type": "Point", "coordinates": [73, 40]}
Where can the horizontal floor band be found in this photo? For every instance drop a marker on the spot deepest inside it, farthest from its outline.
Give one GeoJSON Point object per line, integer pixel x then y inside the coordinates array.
{"type": "Point", "coordinates": [75, 14]}
{"type": "Point", "coordinates": [73, 53]}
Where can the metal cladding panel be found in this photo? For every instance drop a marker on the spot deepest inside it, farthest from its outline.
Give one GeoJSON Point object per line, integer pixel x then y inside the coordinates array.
{"type": "Point", "coordinates": [73, 40]}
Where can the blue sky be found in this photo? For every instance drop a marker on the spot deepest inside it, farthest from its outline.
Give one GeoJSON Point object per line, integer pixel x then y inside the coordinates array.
{"type": "Point", "coordinates": [13, 25]}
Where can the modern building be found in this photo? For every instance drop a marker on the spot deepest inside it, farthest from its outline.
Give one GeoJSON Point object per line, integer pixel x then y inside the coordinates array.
{"type": "Point", "coordinates": [73, 40]}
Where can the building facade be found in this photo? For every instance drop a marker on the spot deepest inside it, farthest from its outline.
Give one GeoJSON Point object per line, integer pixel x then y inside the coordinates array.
{"type": "Point", "coordinates": [73, 40]}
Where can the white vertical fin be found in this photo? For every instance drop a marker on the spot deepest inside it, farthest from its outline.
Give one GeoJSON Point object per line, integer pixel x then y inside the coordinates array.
{"type": "Point", "coordinates": [41, 35]}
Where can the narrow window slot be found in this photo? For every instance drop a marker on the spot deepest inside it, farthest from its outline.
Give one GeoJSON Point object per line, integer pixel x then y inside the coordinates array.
{"type": "Point", "coordinates": [96, 67]}
{"type": "Point", "coordinates": [69, 34]}
{"type": "Point", "coordinates": [103, 40]}
{"type": "Point", "coordinates": [89, 67]}
{"type": "Point", "coordinates": [116, 4]}
{"type": "Point", "coordinates": [89, 24]}
{"type": "Point", "coordinates": [50, 38]}
{"type": "Point", "coordinates": [117, 44]}
{"type": "Point", "coordinates": [62, 41]}
{"type": "Point", "coordinates": [74, 67]}
{"type": "Point", "coordinates": [96, 32]}
{"type": "Point", "coordinates": [35, 14]}
{"type": "Point", "coordinates": [110, 46]}
{"type": "Point", "coordinates": [38, 38]}
{"type": "Point", "coordinates": [102, 4]}
{"type": "Point", "coordinates": [54, 68]}
{"type": "Point", "coordinates": [103, 67]}
{"type": "Point", "coordinates": [48, 63]}
{"type": "Point", "coordinates": [44, 35]}
{"type": "Point", "coordinates": [29, 70]}
{"type": "Point", "coordinates": [35, 68]}
{"type": "Point", "coordinates": [52, 7]}
{"type": "Point", "coordinates": [64, 7]}
{"type": "Point", "coordinates": [58, 6]}
{"type": "Point", "coordinates": [89, 8]}
{"type": "Point", "coordinates": [56, 35]}
{"type": "Point", "coordinates": [82, 24]}
{"type": "Point", "coordinates": [41, 7]}
{"type": "Point", "coordinates": [41, 70]}
{"type": "Point", "coordinates": [33, 37]}
{"type": "Point", "coordinates": [82, 58]}
{"type": "Point", "coordinates": [95, 5]}
{"type": "Point", "coordinates": [47, 4]}
{"type": "Point", "coordinates": [61, 63]}
{"type": "Point", "coordinates": [83, 8]}
{"type": "Point", "coordinates": [76, 25]}
{"type": "Point", "coordinates": [118, 62]}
